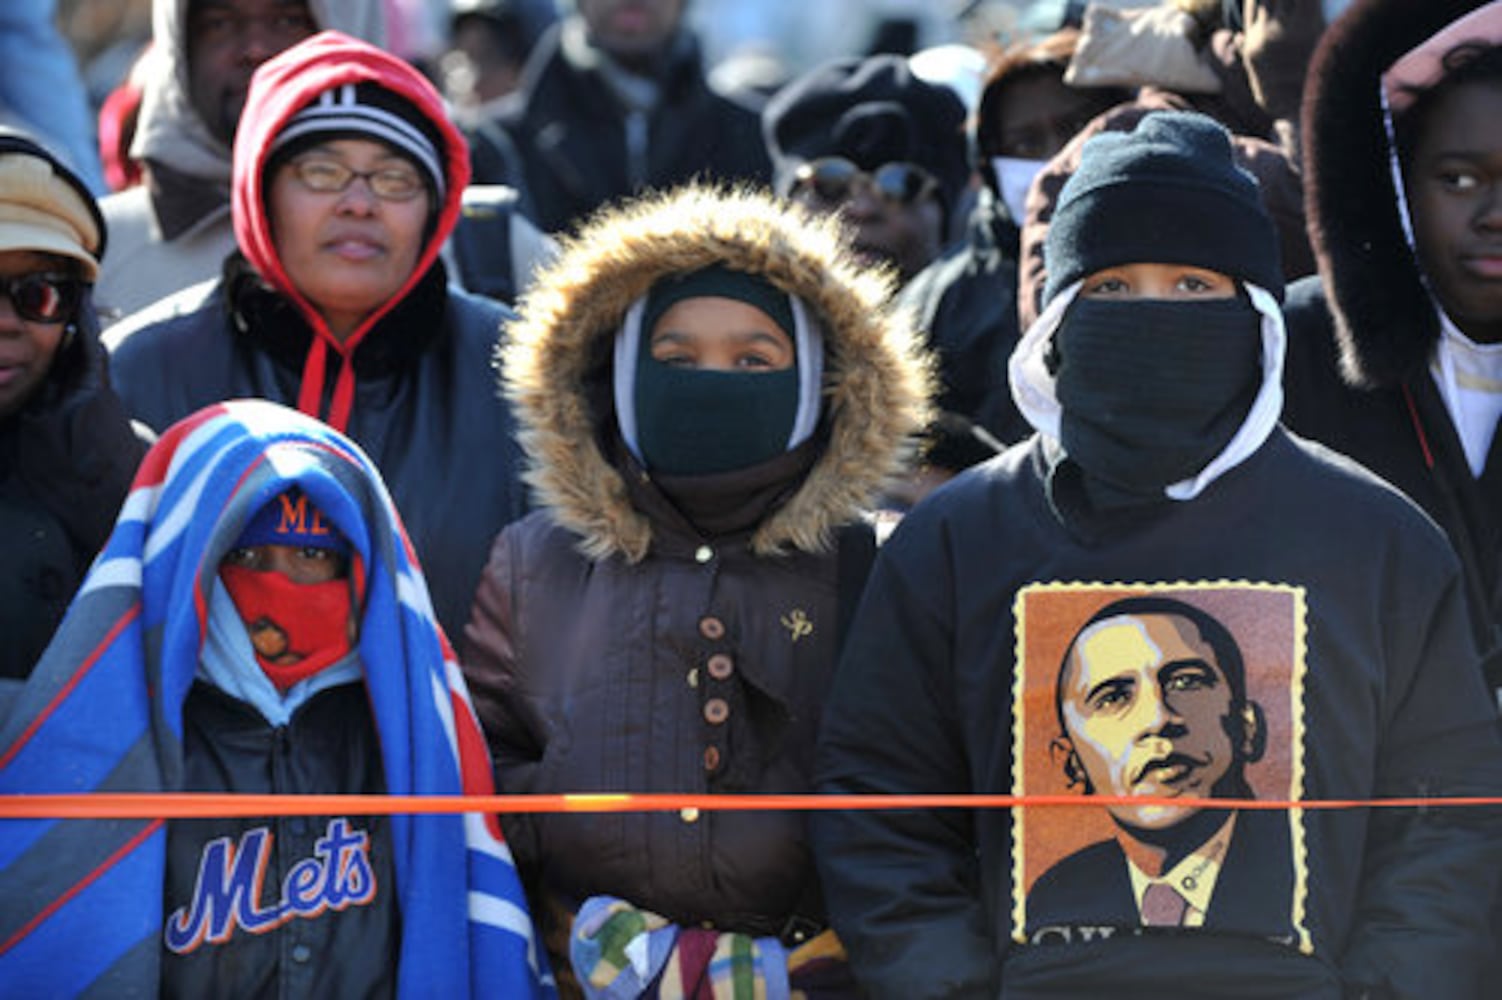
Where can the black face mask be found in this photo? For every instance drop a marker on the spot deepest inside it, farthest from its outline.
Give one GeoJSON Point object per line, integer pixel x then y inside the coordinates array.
{"type": "Point", "coordinates": [1153, 390]}
{"type": "Point", "coordinates": [696, 422]}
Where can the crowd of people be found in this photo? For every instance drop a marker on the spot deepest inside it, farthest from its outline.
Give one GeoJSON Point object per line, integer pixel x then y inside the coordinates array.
{"type": "Point", "coordinates": [1111, 426]}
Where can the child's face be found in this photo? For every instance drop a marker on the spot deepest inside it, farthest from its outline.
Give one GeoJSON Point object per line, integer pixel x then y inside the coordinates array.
{"type": "Point", "coordinates": [711, 332]}
{"type": "Point", "coordinates": [298, 563]}
{"type": "Point", "coordinates": [1158, 281]}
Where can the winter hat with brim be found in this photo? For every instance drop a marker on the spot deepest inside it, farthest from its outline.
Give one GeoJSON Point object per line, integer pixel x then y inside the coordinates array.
{"type": "Point", "coordinates": [870, 111]}
{"type": "Point", "coordinates": [45, 207]}
{"type": "Point", "coordinates": [1168, 192]}
{"type": "Point", "coordinates": [364, 111]}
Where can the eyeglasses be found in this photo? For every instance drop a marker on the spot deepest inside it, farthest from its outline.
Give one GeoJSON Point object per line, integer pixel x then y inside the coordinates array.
{"type": "Point", "coordinates": [330, 176]}
{"type": "Point", "coordinates": [42, 297]}
{"type": "Point", "coordinates": [832, 179]}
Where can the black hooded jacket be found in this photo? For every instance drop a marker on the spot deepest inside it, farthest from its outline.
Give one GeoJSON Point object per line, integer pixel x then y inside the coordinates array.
{"type": "Point", "coordinates": [1363, 334]}
{"type": "Point", "coordinates": [66, 461]}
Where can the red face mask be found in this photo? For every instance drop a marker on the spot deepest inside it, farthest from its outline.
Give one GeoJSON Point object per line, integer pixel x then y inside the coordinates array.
{"type": "Point", "coordinates": [287, 619]}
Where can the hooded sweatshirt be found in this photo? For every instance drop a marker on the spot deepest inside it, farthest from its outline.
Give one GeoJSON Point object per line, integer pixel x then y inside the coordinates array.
{"type": "Point", "coordinates": [412, 384]}
{"type": "Point", "coordinates": [1367, 374]}
{"type": "Point", "coordinates": [677, 633]}
{"type": "Point", "coordinates": [175, 231]}
{"type": "Point", "coordinates": [281, 89]}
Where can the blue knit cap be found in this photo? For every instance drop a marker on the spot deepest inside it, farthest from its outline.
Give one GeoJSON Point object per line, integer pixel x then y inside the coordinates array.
{"type": "Point", "coordinates": [1168, 192]}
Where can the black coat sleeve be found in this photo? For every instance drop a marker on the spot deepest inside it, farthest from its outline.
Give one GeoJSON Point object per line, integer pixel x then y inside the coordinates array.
{"type": "Point", "coordinates": [1430, 875]}
{"type": "Point", "coordinates": [903, 886]}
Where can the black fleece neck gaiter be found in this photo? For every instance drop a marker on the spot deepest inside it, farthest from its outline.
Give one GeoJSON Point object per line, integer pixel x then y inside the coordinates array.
{"type": "Point", "coordinates": [1152, 390]}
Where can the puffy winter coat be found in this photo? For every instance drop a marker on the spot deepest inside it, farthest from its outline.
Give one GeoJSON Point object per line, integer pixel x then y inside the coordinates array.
{"type": "Point", "coordinates": [617, 646]}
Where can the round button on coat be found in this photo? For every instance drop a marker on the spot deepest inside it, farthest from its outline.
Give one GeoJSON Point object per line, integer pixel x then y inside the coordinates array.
{"type": "Point", "coordinates": [716, 711]}
{"type": "Point", "coordinates": [711, 758]}
{"type": "Point", "coordinates": [721, 666]}
{"type": "Point", "coordinates": [711, 627]}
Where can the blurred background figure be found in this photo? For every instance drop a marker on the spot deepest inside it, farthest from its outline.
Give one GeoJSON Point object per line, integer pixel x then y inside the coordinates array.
{"type": "Point", "coordinates": [614, 100]}
{"type": "Point", "coordinates": [41, 89]}
{"type": "Point", "coordinates": [489, 41]}
{"type": "Point", "coordinates": [870, 140]}
{"type": "Point", "coordinates": [67, 450]}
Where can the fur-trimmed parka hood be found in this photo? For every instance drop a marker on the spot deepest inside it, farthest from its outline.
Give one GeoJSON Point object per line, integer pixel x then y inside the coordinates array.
{"type": "Point", "coordinates": [1386, 322]}
{"type": "Point", "coordinates": [876, 386]}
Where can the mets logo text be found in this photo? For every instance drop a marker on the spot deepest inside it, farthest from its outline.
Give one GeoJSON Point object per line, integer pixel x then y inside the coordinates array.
{"type": "Point", "coordinates": [230, 876]}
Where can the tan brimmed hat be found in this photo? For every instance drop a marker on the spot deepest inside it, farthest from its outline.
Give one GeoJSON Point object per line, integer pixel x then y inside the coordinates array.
{"type": "Point", "coordinates": [40, 209]}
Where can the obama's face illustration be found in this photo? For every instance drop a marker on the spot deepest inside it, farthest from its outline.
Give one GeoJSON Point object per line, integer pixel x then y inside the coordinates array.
{"type": "Point", "coordinates": [1150, 706]}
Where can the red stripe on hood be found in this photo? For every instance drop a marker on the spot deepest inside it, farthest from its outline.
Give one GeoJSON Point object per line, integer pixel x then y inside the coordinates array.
{"type": "Point", "coordinates": [281, 87]}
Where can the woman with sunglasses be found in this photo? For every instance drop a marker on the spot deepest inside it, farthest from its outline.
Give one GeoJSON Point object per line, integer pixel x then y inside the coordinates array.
{"type": "Point", "coordinates": [348, 177]}
{"type": "Point", "coordinates": [67, 450]}
{"type": "Point", "coordinates": [884, 149]}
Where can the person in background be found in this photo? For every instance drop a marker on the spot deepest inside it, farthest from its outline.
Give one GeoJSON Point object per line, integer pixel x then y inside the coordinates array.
{"type": "Point", "coordinates": [488, 45]}
{"type": "Point", "coordinates": [174, 230]}
{"type": "Point", "coordinates": [883, 150]}
{"type": "Point", "coordinates": [42, 90]}
{"type": "Point", "coordinates": [711, 390]}
{"type": "Point", "coordinates": [119, 117]}
{"type": "Point", "coordinates": [67, 449]}
{"type": "Point", "coordinates": [1256, 53]}
{"type": "Point", "coordinates": [613, 101]}
{"type": "Point", "coordinates": [256, 625]}
{"type": "Point", "coordinates": [348, 178]}
{"type": "Point", "coordinates": [966, 300]}
{"type": "Point", "coordinates": [1159, 470]}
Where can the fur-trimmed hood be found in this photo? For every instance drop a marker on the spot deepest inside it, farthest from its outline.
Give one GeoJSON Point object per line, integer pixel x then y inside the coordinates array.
{"type": "Point", "coordinates": [1386, 322]}
{"type": "Point", "coordinates": [877, 380]}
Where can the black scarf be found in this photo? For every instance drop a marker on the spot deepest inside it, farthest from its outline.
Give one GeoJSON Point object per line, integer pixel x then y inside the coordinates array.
{"type": "Point", "coordinates": [1151, 391]}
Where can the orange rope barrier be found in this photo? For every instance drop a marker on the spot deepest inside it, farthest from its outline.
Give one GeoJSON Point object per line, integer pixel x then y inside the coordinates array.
{"type": "Point", "coordinates": [140, 805]}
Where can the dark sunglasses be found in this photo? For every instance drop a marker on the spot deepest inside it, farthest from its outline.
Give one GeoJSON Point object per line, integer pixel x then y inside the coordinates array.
{"type": "Point", "coordinates": [832, 179]}
{"type": "Point", "coordinates": [42, 297]}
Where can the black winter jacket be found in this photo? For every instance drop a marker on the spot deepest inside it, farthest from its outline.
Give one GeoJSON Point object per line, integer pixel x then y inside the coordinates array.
{"type": "Point", "coordinates": [425, 410]}
{"type": "Point", "coordinates": [66, 461]}
{"type": "Point", "coordinates": [1368, 688]}
{"type": "Point", "coordinates": [966, 302]}
{"type": "Point", "coordinates": [320, 919]}
{"type": "Point", "coordinates": [579, 148]}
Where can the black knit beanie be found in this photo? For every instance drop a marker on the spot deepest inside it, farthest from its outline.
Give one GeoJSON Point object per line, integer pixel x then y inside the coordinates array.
{"type": "Point", "coordinates": [1168, 192]}
{"type": "Point", "coordinates": [364, 111]}
{"type": "Point", "coordinates": [871, 111]}
{"type": "Point", "coordinates": [719, 281]}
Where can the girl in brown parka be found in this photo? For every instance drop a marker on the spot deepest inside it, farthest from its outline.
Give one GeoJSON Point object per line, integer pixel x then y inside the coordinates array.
{"type": "Point", "coordinates": [711, 390]}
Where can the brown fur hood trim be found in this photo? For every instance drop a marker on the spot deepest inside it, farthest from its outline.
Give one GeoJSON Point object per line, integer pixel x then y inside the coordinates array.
{"type": "Point", "coordinates": [877, 380]}
{"type": "Point", "coordinates": [1384, 318]}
